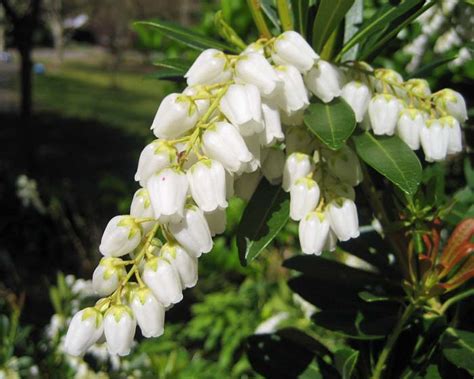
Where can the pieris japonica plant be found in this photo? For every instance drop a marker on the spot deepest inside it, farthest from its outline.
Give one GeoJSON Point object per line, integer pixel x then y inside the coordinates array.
{"type": "Point", "coordinates": [305, 129]}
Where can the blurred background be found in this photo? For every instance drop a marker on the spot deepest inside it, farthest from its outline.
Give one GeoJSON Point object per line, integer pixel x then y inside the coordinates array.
{"type": "Point", "coordinates": [78, 92]}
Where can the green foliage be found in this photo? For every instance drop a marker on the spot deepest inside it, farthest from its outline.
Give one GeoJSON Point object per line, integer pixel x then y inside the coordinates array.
{"type": "Point", "coordinates": [458, 348]}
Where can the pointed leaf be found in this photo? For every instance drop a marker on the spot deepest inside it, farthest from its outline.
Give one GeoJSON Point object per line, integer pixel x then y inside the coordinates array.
{"type": "Point", "coordinates": [345, 361]}
{"type": "Point", "coordinates": [300, 12]}
{"type": "Point", "coordinates": [458, 348]}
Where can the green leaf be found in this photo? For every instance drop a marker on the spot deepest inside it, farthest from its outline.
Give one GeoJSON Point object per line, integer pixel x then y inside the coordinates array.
{"type": "Point", "coordinates": [371, 298]}
{"type": "Point", "coordinates": [345, 361]}
{"type": "Point", "coordinates": [428, 68]}
{"type": "Point", "coordinates": [168, 74]}
{"type": "Point", "coordinates": [265, 215]}
{"type": "Point", "coordinates": [270, 12]}
{"type": "Point", "coordinates": [458, 348]}
{"type": "Point", "coordinates": [186, 36]}
{"type": "Point", "coordinates": [177, 64]}
{"type": "Point", "coordinates": [392, 158]}
{"type": "Point", "coordinates": [352, 23]}
{"type": "Point", "coordinates": [333, 123]}
{"type": "Point", "coordinates": [330, 14]}
{"type": "Point", "coordinates": [300, 13]}
{"type": "Point", "coordinates": [431, 373]}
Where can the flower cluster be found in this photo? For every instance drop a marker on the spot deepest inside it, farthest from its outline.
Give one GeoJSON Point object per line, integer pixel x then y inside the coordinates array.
{"type": "Point", "coordinates": [241, 118]}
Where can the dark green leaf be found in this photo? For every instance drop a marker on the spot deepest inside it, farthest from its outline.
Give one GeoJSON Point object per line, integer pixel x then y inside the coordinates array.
{"type": "Point", "coordinates": [270, 12]}
{"type": "Point", "coordinates": [458, 348]}
{"type": "Point", "coordinates": [431, 373]}
{"type": "Point", "coordinates": [392, 158]}
{"type": "Point", "coordinates": [168, 74]}
{"type": "Point", "coordinates": [371, 298]}
{"type": "Point", "coordinates": [333, 123]}
{"type": "Point", "coordinates": [266, 213]}
{"type": "Point", "coordinates": [300, 12]}
{"type": "Point", "coordinates": [345, 361]}
{"type": "Point", "coordinates": [311, 372]}
{"type": "Point", "coordinates": [177, 64]}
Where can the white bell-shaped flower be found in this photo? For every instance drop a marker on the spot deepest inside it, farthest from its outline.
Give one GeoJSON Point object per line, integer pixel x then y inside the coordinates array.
{"type": "Point", "coordinates": [452, 102]}
{"type": "Point", "coordinates": [434, 138]}
{"type": "Point", "coordinates": [293, 97]}
{"type": "Point", "coordinates": [299, 140]}
{"type": "Point", "coordinates": [273, 131]}
{"type": "Point", "coordinates": [324, 80]}
{"type": "Point", "coordinates": [216, 220]}
{"type": "Point", "coordinates": [149, 313]}
{"type": "Point", "coordinates": [107, 275]}
{"type": "Point", "coordinates": [119, 329]}
{"type": "Point", "coordinates": [345, 165]}
{"type": "Point", "coordinates": [141, 208]}
{"type": "Point", "coordinates": [242, 106]}
{"type": "Point", "coordinates": [121, 236]}
{"type": "Point", "coordinates": [357, 95]}
{"type": "Point", "coordinates": [304, 197]}
{"type": "Point", "coordinates": [297, 166]}
{"type": "Point", "coordinates": [186, 265]}
{"type": "Point", "coordinates": [455, 134]}
{"type": "Point", "coordinates": [207, 183]}
{"type": "Point", "coordinates": [254, 69]}
{"type": "Point", "coordinates": [192, 232]}
{"type": "Point", "coordinates": [409, 126]}
{"type": "Point", "coordinates": [85, 329]}
{"type": "Point", "coordinates": [223, 142]}
{"type": "Point", "coordinates": [343, 219]}
{"type": "Point", "coordinates": [163, 280]}
{"type": "Point", "coordinates": [210, 67]}
{"type": "Point", "coordinates": [246, 185]}
{"type": "Point", "coordinates": [202, 104]}
{"type": "Point", "coordinates": [290, 48]}
{"type": "Point", "coordinates": [253, 144]}
{"type": "Point", "coordinates": [313, 232]}
{"type": "Point", "coordinates": [384, 111]}
{"type": "Point", "coordinates": [168, 190]}
{"type": "Point", "coordinates": [176, 114]}
{"type": "Point", "coordinates": [272, 167]}
{"type": "Point", "coordinates": [155, 157]}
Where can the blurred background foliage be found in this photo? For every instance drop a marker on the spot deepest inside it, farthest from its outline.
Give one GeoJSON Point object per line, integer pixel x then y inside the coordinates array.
{"type": "Point", "coordinates": [94, 95]}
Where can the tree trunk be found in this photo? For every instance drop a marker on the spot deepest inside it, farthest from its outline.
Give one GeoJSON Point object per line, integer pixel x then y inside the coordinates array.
{"type": "Point", "coordinates": [57, 31]}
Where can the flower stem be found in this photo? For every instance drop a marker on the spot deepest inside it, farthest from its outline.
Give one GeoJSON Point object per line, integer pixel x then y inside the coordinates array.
{"type": "Point", "coordinates": [455, 299]}
{"type": "Point", "coordinates": [285, 14]}
{"type": "Point", "coordinates": [258, 18]}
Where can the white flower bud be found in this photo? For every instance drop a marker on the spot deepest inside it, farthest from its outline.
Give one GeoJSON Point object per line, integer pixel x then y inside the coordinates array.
{"type": "Point", "coordinates": [299, 140]}
{"type": "Point", "coordinates": [384, 111]}
{"type": "Point", "coordinates": [201, 104]}
{"type": "Point", "coordinates": [154, 157]}
{"type": "Point", "coordinates": [297, 166]}
{"type": "Point", "coordinates": [290, 48]}
{"type": "Point", "coordinates": [255, 47]}
{"type": "Point", "coordinates": [163, 280]}
{"type": "Point", "coordinates": [119, 329]}
{"type": "Point", "coordinates": [242, 106]}
{"type": "Point", "coordinates": [209, 67]}
{"type": "Point", "coordinates": [149, 313]}
{"type": "Point", "coordinates": [272, 167]}
{"type": "Point", "coordinates": [217, 221]}
{"type": "Point", "coordinates": [304, 197]}
{"type": "Point", "coordinates": [186, 265]}
{"type": "Point", "coordinates": [313, 233]}
{"type": "Point", "coordinates": [168, 190]}
{"type": "Point", "coordinates": [141, 208]}
{"type": "Point", "coordinates": [176, 114]}
{"type": "Point", "coordinates": [254, 69]}
{"type": "Point", "coordinates": [357, 95]}
{"type": "Point", "coordinates": [455, 134]}
{"type": "Point", "coordinates": [223, 143]}
{"type": "Point", "coordinates": [343, 219]}
{"type": "Point", "coordinates": [246, 185]}
{"type": "Point", "coordinates": [121, 236]}
{"type": "Point", "coordinates": [293, 97]}
{"type": "Point", "coordinates": [451, 102]}
{"type": "Point", "coordinates": [324, 80]}
{"type": "Point", "coordinates": [192, 232]}
{"type": "Point", "coordinates": [434, 138]}
{"type": "Point", "coordinates": [345, 165]}
{"type": "Point", "coordinates": [253, 144]}
{"type": "Point", "coordinates": [384, 77]}
{"type": "Point", "coordinates": [85, 329]}
{"type": "Point", "coordinates": [107, 275]}
{"type": "Point", "coordinates": [208, 186]}
{"type": "Point", "coordinates": [419, 87]}
{"type": "Point", "coordinates": [409, 126]}
{"type": "Point", "coordinates": [272, 132]}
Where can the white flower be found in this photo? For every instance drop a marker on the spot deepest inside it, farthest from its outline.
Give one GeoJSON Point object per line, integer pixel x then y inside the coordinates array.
{"type": "Point", "coordinates": [384, 111]}
{"type": "Point", "coordinates": [409, 126]}
{"type": "Point", "coordinates": [121, 236]}
{"type": "Point", "coordinates": [208, 186]}
{"type": "Point", "coordinates": [141, 208]}
{"type": "Point", "coordinates": [272, 167]}
{"type": "Point", "coordinates": [343, 219]}
{"type": "Point", "coordinates": [357, 95]}
{"type": "Point", "coordinates": [253, 144]}
{"type": "Point", "coordinates": [85, 329]}
{"type": "Point", "coordinates": [186, 265]}
{"type": "Point", "coordinates": [455, 134]}
{"type": "Point", "coordinates": [297, 166]}
{"type": "Point", "coordinates": [192, 232]}
{"type": "Point", "coordinates": [304, 197]}
{"type": "Point", "coordinates": [216, 221]}
{"type": "Point", "coordinates": [242, 106]}
{"type": "Point", "coordinates": [255, 47]}
{"type": "Point", "coordinates": [313, 233]}
{"type": "Point", "coordinates": [254, 69]}
{"type": "Point", "coordinates": [119, 329]}
{"type": "Point", "coordinates": [434, 138]}
{"type": "Point", "coordinates": [209, 67]}
{"type": "Point", "coordinates": [107, 275]}
{"type": "Point", "coordinates": [167, 190]}
{"type": "Point", "coordinates": [324, 80]}
{"type": "Point", "coordinates": [150, 314]}
{"type": "Point", "coordinates": [163, 280]}
{"type": "Point", "coordinates": [345, 165]}
{"type": "Point", "coordinates": [272, 132]}
{"type": "Point", "coordinates": [246, 185]}
{"type": "Point", "coordinates": [154, 157]}
{"type": "Point", "coordinates": [176, 114]}
{"type": "Point", "coordinates": [452, 102]}
{"type": "Point", "coordinates": [201, 104]}
{"type": "Point", "coordinates": [223, 143]}
{"type": "Point", "coordinates": [290, 48]}
{"type": "Point", "coordinates": [293, 97]}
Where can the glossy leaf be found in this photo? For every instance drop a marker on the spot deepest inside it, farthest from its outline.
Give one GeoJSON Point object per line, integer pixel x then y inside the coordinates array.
{"type": "Point", "coordinates": [265, 215]}
{"type": "Point", "coordinates": [270, 12]}
{"type": "Point", "coordinates": [345, 361]}
{"type": "Point", "coordinates": [392, 158]}
{"type": "Point", "coordinates": [458, 348]}
{"type": "Point", "coordinates": [333, 123]}
{"type": "Point", "coordinates": [300, 13]}
{"type": "Point", "coordinates": [352, 24]}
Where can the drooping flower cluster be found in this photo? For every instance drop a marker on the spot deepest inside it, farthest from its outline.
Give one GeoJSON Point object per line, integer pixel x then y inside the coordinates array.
{"type": "Point", "coordinates": [239, 119]}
